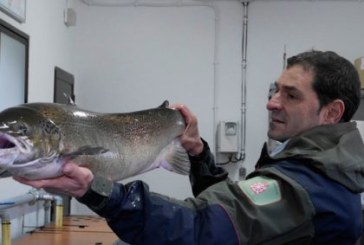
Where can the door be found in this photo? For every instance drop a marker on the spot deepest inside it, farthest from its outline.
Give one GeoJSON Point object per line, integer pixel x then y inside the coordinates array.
{"type": "Point", "coordinates": [63, 93]}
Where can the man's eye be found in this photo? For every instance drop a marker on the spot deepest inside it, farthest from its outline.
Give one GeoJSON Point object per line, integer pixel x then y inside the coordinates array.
{"type": "Point", "coordinates": [273, 89]}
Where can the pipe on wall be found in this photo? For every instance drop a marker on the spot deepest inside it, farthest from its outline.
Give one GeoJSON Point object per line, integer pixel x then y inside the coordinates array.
{"type": "Point", "coordinates": [243, 80]}
{"type": "Point", "coordinates": [29, 198]}
{"type": "Point", "coordinates": [58, 205]}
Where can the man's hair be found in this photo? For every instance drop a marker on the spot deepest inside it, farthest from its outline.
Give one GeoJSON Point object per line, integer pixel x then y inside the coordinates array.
{"type": "Point", "coordinates": [334, 78]}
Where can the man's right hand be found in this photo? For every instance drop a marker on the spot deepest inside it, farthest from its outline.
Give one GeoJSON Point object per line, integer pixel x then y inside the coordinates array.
{"type": "Point", "coordinates": [190, 139]}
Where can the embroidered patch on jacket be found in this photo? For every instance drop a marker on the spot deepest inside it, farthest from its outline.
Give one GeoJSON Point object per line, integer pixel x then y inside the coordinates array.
{"type": "Point", "coordinates": [261, 190]}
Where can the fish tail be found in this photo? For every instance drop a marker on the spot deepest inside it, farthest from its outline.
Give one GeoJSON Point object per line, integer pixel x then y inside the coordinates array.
{"type": "Point", "coordinates": [175, 158]}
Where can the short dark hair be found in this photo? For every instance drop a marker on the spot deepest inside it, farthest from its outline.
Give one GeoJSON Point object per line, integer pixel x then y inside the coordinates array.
{"type": "Point", "coordinates": [334, 78]}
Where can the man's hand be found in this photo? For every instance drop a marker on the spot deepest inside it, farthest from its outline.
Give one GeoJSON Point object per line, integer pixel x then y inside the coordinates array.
{"type": "Point", "coordinates": [75, 181]}
{"type": "Point", "coordinates": [190, 139]}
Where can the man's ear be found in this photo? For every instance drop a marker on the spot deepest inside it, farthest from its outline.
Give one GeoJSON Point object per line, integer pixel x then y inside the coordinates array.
{"type": "Point", "coordinates": [334, 111]}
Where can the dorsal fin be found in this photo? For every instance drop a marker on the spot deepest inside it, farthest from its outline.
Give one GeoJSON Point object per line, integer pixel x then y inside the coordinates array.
{"type": "Point", "coordinates": [165, 104]}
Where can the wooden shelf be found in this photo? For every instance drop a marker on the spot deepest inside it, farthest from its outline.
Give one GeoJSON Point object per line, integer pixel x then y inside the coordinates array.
{"type": "Point", "coordinates": [76, 230]}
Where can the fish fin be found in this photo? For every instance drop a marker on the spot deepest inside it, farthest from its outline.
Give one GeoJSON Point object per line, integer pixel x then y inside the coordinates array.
{"type": "Point", "coordinates": [175, 158]}
{"type": "Point", "coordinates": [86, 150]}
{"type": "Point", "coordinates": [165, 104]}
{"type": "Point", "coordinates": [4, 173]}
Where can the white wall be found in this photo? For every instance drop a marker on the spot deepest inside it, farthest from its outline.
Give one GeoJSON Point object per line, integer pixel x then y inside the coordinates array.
{"type": "Point", "coordinates": [132, 58]}
{"type": "Point", "coordinates": [50, 46]}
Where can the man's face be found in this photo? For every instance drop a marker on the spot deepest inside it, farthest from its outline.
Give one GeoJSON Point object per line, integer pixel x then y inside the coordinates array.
{"type": "Point", "coordinates": [294, 107]}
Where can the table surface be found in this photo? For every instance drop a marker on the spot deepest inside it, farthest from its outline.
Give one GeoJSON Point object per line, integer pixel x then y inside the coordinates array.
{"type": "Point", "coordinates": [76, 230]}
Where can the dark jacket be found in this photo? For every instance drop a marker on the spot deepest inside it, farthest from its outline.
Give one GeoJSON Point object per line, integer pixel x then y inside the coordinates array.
{"type": "Point", "coordinates": [309, 193]}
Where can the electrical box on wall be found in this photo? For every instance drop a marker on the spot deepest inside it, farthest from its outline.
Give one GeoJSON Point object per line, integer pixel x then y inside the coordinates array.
{"type": "Point", "coordinates": [227, 137]}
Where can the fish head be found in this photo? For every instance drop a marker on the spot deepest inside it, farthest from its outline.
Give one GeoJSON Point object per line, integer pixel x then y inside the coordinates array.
{"type": "Point", "coordinates": [26, 137]}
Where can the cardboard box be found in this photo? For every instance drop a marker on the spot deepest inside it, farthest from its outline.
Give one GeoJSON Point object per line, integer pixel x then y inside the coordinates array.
{"type": "Point", "coordinates": [359, 65]}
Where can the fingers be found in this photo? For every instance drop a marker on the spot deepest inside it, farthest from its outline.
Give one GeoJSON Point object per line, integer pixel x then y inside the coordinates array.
{"type": "Point", "coordinates": [71, 170]}
{"type": "Point", "coordinates": [176, 106]}
{"type": "Point", "coordinates": [68, 170]}
{"type": "Point", "coordinates": [190, 139]}
{"type": "Point", "coordinates": [75, 181]}
{"type": "Point", "coordinates": [186, 113]}
{"type": "Point", "coordinates": [34, 183]}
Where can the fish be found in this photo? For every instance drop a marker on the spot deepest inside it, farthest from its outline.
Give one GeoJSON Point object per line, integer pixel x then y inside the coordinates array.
{"type": "Point", "coordinates": [37, 139]}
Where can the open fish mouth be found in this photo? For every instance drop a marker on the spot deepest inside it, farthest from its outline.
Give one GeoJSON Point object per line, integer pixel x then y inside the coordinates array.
{"type": "Point", "coordinates": [5, 143]}
{"type": "Point", "coordinates": [8, 152]}
{"type": "Point", "coordinates": [14, 149]}
{"type": "Point", "coordinates": [8, 141]}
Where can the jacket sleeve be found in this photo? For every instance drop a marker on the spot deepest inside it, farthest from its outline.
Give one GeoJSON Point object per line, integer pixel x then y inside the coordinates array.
{"type": "Point", "coordinates": [264, 209]}
{"type": "Point", "coordinates": [204, 171]}
{"type": "Point", "coordinates": [138, 216]}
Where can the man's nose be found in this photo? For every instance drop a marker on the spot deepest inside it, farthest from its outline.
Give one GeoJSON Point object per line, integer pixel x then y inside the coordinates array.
{"type": "Point", "coordinates": [274, 103]}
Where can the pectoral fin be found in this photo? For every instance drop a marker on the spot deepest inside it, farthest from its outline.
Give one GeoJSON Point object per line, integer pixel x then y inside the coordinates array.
{"type": "Point", "coordinates": [175, 158]}
{"type": "Point", "coordinates": [86, 150]}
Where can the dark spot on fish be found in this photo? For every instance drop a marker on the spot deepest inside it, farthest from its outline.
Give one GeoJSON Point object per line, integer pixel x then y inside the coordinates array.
{"type": "Point", "coordinates": [49, 127]}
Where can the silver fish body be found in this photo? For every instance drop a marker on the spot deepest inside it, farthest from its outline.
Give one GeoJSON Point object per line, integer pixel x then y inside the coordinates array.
{"type": "Point", "coordinates": [36, 139]}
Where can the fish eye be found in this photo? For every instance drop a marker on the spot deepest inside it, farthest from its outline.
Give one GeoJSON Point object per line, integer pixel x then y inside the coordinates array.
{"type": "Point", "coordinates": [21, 128]}
{"type": "Point", "coordinates": [18, 127]}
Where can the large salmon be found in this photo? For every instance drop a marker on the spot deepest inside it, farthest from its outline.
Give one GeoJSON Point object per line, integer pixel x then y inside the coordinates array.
{"type": "Point", "coordinates": [37, 138]}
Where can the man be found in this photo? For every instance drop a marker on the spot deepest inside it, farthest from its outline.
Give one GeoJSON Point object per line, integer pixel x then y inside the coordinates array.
{"type": "Point", "coordinates": [305, 192]}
